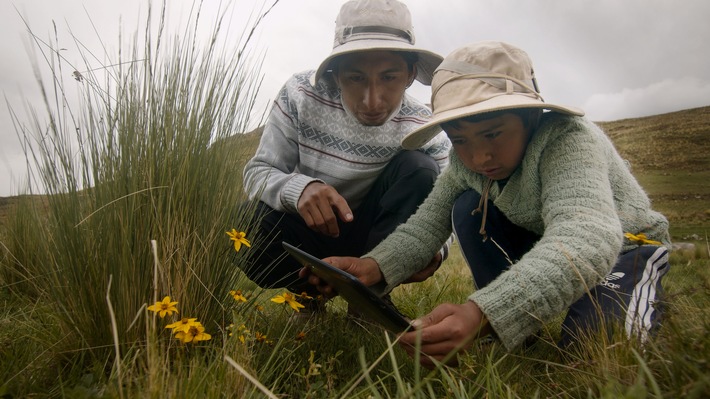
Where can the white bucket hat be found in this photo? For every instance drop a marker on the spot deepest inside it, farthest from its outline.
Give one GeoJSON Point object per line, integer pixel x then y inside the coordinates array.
{"type": "Point", "coordinates": [369, 25]}
{"type": "Point", "coordinates": [479, 78]}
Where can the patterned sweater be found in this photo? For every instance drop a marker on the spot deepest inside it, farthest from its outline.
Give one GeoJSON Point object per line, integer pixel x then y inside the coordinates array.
{"type": "Point", "coordinates": [309, 136]}
{"type": "Point", "coordinates": [573, 189]}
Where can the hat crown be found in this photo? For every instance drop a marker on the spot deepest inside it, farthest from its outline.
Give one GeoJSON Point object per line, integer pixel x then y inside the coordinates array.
{"type": "Point", "coordinates": [377, 25]}
{"type": "Point", "coordinates": [496, 57]}
{"type": "Point", "coordinates": [480, 71]}
{"type": "Point", "coordinates": [378, 19]}
{"type": "Point", "coordinates": [480, 78]}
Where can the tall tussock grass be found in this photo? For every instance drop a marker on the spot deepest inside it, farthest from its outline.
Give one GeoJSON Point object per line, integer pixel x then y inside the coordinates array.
{"type": "Point", "coordinates": [135, 163]}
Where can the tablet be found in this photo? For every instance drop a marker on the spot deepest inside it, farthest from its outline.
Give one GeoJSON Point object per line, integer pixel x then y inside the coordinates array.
{"type": "Point", "coordinates": [352, 290]}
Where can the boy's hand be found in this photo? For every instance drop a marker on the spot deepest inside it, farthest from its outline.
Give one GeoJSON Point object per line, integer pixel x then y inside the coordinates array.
{"type": "Point", "coordinates": [318, 205]}
{"type": "Point", "coordinates": [364, 269]}
{"type": "Point", "coordinates": [448, 328]}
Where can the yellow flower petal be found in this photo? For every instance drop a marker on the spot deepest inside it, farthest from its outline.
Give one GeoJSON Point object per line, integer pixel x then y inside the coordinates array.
{"type": "Point", "coordinates": [259, 337]}
{"type": "Point", "coordinates": [295, 305]}
{"type": "Point", "coordinates": [238, 296]}
{"type": "Point", "coordinates": [289, 299]}
{"type": "Point", "coordinates": [203, 336]}
{"type": "Point", "coordinates": [183, 325]}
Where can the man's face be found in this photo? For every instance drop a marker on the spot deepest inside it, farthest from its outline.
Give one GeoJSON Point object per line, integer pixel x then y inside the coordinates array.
{"type": "Point", "coordinates": [494, 147]}
{"type": "Point", "coordinates": [372, 84]}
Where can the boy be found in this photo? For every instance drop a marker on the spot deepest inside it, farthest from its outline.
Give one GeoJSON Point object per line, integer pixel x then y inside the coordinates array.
{"type": "Point", "coordinates": [540, 204]}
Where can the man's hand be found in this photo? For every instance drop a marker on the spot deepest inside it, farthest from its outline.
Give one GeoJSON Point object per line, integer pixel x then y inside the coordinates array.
{"type": "Point", "coordinates": [318, 206]}
{"type": "Point", "coordinates": [364, 269]}
{"type": "Point", "coordinates": [426, 272]}
{"type": "Point", "coordinates": [448, 328]}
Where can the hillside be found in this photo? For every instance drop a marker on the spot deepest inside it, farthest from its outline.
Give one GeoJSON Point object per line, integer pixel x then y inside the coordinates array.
{"type": "Point", "coordinates": [678, 141]}
{"type": "Point", "coordinates": [668, 153]}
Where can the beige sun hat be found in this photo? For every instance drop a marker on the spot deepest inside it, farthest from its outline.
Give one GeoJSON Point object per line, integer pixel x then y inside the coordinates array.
{"type": "Point", "coordinates": [369, 25]}
{"type": "Point", "coordinates": [478, 78]}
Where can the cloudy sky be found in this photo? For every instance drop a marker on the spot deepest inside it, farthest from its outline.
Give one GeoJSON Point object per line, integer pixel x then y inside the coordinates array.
{"type": "Point", "coordinates": [614, 58]}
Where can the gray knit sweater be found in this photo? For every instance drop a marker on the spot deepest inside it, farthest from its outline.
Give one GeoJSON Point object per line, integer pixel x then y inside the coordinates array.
{"type": "Point", "coordinates": [573, 189]}
{"type": "Point", "coordinates": [309, 137]}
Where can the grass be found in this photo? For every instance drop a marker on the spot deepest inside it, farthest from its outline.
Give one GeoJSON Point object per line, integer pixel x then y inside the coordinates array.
{"type": "Point", "coordinates": [142, 182]}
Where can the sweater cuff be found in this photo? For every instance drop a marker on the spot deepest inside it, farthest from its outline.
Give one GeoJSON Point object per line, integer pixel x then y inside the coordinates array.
{"type": "Point", "coordinates": [392, 276]}
{"type": "Point", "coordinates": [510, 326]}
{"type": "Point", "coordinates": [293, 189]}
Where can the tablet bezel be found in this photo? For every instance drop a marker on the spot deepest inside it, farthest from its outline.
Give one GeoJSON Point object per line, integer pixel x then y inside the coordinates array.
{"type": "Point", "coordinates": [352, 290]}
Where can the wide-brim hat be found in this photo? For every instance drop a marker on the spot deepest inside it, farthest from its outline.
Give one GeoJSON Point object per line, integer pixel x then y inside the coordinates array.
{"type": "Point", "coordinates": [479, 78]}
{"type": "Point", "coordinates": [371, 25]}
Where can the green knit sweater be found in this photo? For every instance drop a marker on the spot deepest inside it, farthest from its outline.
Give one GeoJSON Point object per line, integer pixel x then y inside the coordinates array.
{"type": "Point", "coordinates": [573, 189]}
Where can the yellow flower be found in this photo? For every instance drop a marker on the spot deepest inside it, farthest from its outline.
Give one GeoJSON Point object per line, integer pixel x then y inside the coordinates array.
{"type": "Point", "coordinates": [259, 337]}
{"type": "Point", "coordinates": [164, 307]}
{"type": "Point", "coordinates": [182, 325]}
{"type": "Point", "coordinates": [194, 334]}
{"type": "Point", "coordinates": [239, 238]}
{"type": "Point", "coordinates": [289, 299]}
{"type": "Point", "coordinates": [641, 239]}
{"type": "Point", "coordinates": [242, 331]}
{"type": "Point", "coordinates": [304, 296]}
{"type": "Point", "coordinates": [237, 295]}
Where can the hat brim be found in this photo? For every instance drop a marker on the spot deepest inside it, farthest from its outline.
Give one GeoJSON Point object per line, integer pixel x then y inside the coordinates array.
{"type": "Point", "coordinates": [426, 132]}
{"type": "Point", "coordinates": [426, 65]}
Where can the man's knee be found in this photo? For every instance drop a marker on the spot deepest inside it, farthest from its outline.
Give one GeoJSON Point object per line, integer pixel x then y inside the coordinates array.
{"type": "Point", "coordinates": [408, 162]}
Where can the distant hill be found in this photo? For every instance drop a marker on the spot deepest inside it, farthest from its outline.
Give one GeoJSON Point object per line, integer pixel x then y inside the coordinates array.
{"type": "Point", "coordinates": [677, 140]}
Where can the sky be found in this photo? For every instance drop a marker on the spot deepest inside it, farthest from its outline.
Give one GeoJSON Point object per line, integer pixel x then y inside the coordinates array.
{"type": "Point", "coordinates": [615, 59]}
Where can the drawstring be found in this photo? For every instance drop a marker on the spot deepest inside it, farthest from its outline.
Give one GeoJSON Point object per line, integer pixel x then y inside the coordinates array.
{"type": "Point", "coordinates": [484, 204]}
{"type": "Point", "coordinates": [483, 208]}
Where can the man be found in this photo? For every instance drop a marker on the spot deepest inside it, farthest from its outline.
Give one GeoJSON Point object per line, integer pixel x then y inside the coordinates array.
{"type": "Point", "coordinates": [330, 173]}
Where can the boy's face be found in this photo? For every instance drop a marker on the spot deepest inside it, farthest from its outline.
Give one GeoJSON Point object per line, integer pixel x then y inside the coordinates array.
{"type": "Point", "coordinates": [494, 147]}
{"type": "Point", "coordinates": [372, 84]}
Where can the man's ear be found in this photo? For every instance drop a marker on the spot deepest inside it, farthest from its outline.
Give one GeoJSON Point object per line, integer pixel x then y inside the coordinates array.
{"type": "Point", "coordinates": [335, 79]}
{"type": "Point", "coordinates": [412, 75]}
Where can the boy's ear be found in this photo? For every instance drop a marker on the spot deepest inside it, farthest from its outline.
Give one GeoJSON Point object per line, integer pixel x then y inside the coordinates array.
{"type": "Point", "coordinates": [534, 118]}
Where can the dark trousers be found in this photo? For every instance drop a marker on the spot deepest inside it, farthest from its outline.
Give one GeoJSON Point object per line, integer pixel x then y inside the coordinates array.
{"type": "Point", "coordinates": [404, 183]}
{"type": "Point", "coordinates": [629, 293]}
